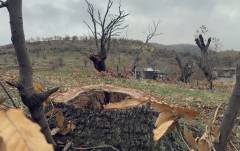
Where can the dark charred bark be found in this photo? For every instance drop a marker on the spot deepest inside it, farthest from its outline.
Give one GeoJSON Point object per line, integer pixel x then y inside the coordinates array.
{"type": "Point", "coordinates": [29, 96]}
{"type": "Point", "coordinates": [230, 115]}
{"type": "Point", "coordinates": [127, 129]}
{"type": "Point", "coordinates": [204, 64]}
{"type": "Point", "coordinates": [186, 70]}
{"type": "Point", "coordinates": [99, 62]}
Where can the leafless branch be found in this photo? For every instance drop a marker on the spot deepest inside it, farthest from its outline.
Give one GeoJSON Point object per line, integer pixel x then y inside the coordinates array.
{"type": "Point", "coordinates": [13, 84]}
{"type": "Point", "coordinates": [3, 4]}
{"type": "Point", "coordinates": [91, 11]}
{"type": "Point", "coordinates": [104, 27]}
{"type": "Point", "coordinates": [89, 27]}
{"type": "Point", "coordinates": [110, 3]}
{"type": "Point", "coordinates": [49, 92]}
{"type": "Point", "coordinates": [109, 27]}
{"type": "Point", "coordinates": [152, 32]}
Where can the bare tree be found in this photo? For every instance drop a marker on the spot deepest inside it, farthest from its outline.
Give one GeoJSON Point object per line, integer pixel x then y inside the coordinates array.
{"type": "Point", "coordinates": [230, 115]}
{"type": "Point", "coordinates": [204, 64]}
{"type": "Point", "coordinates": [186, 70]}
{"type": "Point", "coordinates": [32, 99]}
{"type": "Point", "coordinates": [152, 32]}
{"type": "Point", "coordinates": [103, 28]}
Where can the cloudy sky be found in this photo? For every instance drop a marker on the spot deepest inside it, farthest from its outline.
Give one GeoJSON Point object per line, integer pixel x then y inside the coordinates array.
{"type": "Point", "coordinates": [179, 19]}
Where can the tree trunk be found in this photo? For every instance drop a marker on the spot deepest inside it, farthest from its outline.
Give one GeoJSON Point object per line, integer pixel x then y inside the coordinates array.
{"type": "Point", "coordinates": [128, 129]}
{"type": "Point", "coordinates": [230, 115]}
{"type": "Point", "coordinates": [99, 59]}
{"type": "Point", "coordinates": [99, 62]}
{"type": "Point", "coordinates": [210, 85]}
{"type": "Point", "coordinates": [207, 71]}
{"type": "Point", "coordinates": [28, 95]}
{"type": "Point", "coordinates": [204, 60]}
{"type": "Point", "coordinates": [186, 70]}
{"type": "Point", "coordinates": [18, 40]}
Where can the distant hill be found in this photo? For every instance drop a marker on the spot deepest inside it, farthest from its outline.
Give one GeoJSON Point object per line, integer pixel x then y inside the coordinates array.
{"type": "Point", "coordinates": [77, 52]}
{"type": "Point", "coordinates": [182, 48]}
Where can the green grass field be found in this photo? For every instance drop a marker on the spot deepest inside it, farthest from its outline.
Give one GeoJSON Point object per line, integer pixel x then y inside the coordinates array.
{"type": "Point", "coordinates": [74, 75]}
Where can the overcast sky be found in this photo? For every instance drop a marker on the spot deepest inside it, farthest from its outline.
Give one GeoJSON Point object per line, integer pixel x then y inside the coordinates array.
{"type": "Point", "coordinates": [179, 19]}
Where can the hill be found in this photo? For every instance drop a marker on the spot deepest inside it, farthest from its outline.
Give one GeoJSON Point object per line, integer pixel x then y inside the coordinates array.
{"type": "Point", "coordinates": [50, 52]}
{"type": "Point", "coordinates": [180, 48]}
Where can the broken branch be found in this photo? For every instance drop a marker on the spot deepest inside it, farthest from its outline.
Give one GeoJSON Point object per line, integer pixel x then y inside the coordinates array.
{"type": "Point", "coordinates": [46, 94]}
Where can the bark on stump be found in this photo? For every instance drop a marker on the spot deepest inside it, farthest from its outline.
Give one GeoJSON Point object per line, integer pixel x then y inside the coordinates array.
{"type": "Point", "coordinates": [129, 129]}
{"type": "Point", "coordinates": [98, 62]}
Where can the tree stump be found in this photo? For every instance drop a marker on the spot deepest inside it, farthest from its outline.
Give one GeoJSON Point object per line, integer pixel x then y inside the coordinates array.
{"type": "Point", "coordinates": [128, 129]}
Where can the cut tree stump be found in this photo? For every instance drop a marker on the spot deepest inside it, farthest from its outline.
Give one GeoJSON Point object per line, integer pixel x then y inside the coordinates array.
{"type": "Point", "coordinates": [126, 129]}
{"type": "Point", "coordinates": [95, 96]}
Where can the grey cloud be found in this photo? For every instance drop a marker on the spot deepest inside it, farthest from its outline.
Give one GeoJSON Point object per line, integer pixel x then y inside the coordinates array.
{"type": "Point", "coordinates": [179, 19]}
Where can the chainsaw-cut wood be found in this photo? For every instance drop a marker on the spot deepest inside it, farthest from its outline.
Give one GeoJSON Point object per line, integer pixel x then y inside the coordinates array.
{"type": "Point", "coordinates": [124, 104]}
{"type": "Point", "coordinates": [183, 112]}
{"type": "Point", "coordinates": [164, 117]}
{"type": "Point", "coordinates": [98, 96]}
{"type": "Point", "coordinates": [162, 129]}
{"type": "Point", "coordinates": [18, 133]}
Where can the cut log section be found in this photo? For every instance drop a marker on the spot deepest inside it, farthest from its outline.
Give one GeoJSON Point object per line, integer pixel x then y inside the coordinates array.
{"type": "Point", "coordinates": [128, 129]}
{"type": "Point", "coordinates": [95, 96]}
{"type": "Point", "coordinates": [124, 129]}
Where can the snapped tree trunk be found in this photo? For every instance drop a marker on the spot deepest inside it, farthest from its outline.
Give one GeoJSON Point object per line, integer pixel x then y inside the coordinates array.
{"type": "Point", "coordinates": [204, 64]}
{"type": "Point", "coordinates": [29, 96]}
{"type": "Point", "coordinates": [186, 70]}
{"type": "Point", "coordinates": [230, 115]}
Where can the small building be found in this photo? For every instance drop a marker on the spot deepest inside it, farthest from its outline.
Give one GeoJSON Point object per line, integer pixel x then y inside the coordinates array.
{"type": "Point", "coordinates": [225, 73]}
{"type": "Point", "coordinates": [150, 73]}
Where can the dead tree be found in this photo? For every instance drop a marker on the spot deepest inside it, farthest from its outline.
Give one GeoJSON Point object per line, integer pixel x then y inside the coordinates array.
{"type": "Point", "coordinates": [152, 32]}
{"type": "Point", "coordinates": [103, 29]}
{"type": "Point", "coordinates": [204, 64]}
{"type": "Point", "coordinates": [186, 70]}
{"type": "Point", "coordinates": [32, 99]}
{"type": "Point", "coordinates": [230, 115]}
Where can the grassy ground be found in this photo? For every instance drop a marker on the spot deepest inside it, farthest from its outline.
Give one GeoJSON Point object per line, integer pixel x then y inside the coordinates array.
{"type": "Point", "coordinates": [74, 75]}
{"type": "Point", "coordinates": [175, 93]}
